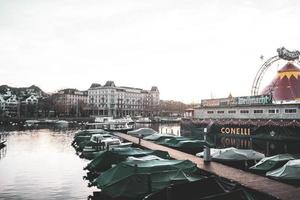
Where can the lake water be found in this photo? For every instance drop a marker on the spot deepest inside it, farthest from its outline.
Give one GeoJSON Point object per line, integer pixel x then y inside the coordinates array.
{"type": "Point", "coordinates": [41, 164]}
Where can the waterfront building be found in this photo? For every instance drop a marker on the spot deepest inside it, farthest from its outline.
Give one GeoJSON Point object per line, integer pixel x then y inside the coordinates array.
{"type": "Point", "coordinates": [12, 105]}
{"type": "Point", "coordinates": [2, 103]}
{"type": "Point", "coordinates": [70, 102]}
{"type": "Point", "coordinates": [278, 100]}
{"type": "Point", "coordinates": [120, 101]}
{"type": "Point", "coordinates": [271, 115]}
{"type": "Point", "coordinates": [18, 101]}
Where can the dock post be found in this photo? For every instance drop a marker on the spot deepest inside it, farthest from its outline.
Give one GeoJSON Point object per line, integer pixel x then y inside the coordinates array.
{"type": "Point", "coordinates": [140, 136]}
{"type": "Point", "coordinates": [206, 156]}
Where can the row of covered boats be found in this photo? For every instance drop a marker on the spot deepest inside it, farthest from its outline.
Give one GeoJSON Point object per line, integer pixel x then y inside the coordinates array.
{"type": "Point", "coordinates": [123, 171]}
{"type": "Point", "coordinates": [283, 167]}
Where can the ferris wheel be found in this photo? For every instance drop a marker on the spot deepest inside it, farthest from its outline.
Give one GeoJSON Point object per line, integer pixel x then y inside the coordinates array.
{"type": "Point", "coordinates": [283, 54]}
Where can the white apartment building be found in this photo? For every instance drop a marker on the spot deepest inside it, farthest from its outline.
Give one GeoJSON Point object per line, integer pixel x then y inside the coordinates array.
{"type": "Point", "coordinates": [119, 101]}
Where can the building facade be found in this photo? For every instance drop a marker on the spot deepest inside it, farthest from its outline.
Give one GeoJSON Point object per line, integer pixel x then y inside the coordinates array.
{"type": "Point", "coordinates": [120, 101]}
{"type": "Point", "coordinates": [273, 111]}
{"type": "Point", "coordinates": [70, 102]}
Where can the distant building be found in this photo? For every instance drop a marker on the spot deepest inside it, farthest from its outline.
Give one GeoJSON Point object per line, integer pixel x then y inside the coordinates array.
{"type": "Point", "coordinates": [20, 102]}
{"type": "Point", "coordinates": [11, 106]}
{"type": "Point", "coordinates": [119, 101]}
{"type": "Point", "coordinates": [70, 102]}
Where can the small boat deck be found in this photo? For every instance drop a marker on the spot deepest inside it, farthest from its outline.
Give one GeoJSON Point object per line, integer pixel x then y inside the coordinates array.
{"type": "Point", "coordinates": [259, 183]}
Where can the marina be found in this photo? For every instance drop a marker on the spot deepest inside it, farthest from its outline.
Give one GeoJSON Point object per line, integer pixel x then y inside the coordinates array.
{"type": "Point", "coordinates": [265, 185]}
{"type": "Point", "coordinates": [150, 100]}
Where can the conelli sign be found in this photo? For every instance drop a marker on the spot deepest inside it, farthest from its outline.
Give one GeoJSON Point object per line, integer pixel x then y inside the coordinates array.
{"type": "Point", "coordinates": [235, 131]}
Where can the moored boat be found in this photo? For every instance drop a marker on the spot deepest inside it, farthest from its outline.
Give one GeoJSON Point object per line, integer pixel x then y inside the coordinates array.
{"type": "Point", "coordinates": [273, 162]}
{"type": "Point", "coordinates": [142, 132]}
{"type": "Point", "coordinates": [288, 172]}
{"type": "Point", "coordinates": [135, 179]}
{"type": "Point", "coordinates": [239, 158]}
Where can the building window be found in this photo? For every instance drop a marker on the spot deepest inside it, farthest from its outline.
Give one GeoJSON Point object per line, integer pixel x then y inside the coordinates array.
{"type": "Point", "coordinates": [273, 111]}
{"type": "Point", "coordinates": [290, 110]}
{"type": "Point", "coordinates": [210, 112]}
{"type": "Point", "coordinates": [231, 111]}
{"type": "Point", "coordinates": [244, 111]}
{"type": "Point", "coordinates": [258, 111]}
{"type": "Point", "coordinates": [220, 111]}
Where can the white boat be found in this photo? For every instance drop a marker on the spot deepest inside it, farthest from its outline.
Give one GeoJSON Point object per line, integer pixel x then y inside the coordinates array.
{"type": "Point", "coordinates": [110, 124]}
{"type": "Point", "coordinates": [104, 142]}
{"type": "Point", "coordinates": [31, 123]}
{"type": "Point", "coordinates": [62, 124]}
{"type": "Point", "coordinates": [143, 120]}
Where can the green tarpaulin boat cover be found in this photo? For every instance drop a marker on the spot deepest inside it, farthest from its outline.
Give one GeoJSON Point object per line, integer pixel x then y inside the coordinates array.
{"type": "Point", "coordinates": [289, 171]}
{"type": "Point", "coordinates": [183, 142]}
{"type": "Point", "coordinates": [79, 139]}
{"type": "Point", "coordinates": [137, 178]}
{"type": "Point", "coordinates": [143, 132]}
{"type": "Point", "coordinates": [233, 154]}
{"type": "Point", "coordinates": [106, 159]}
{"type": "Point", "coordinates": [89, 132]}
{"type": "Point", "coordinates": [158, 137]}
{"type": "Point", "coordinates": [145, 158]}
{"type": "Point", "coordinates": [273, 162]}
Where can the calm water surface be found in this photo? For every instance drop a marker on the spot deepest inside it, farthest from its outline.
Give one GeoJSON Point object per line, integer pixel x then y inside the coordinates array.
{"type": "Point", "coordinates": [42, 164]}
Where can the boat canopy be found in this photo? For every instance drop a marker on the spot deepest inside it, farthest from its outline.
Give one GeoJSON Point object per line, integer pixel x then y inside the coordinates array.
{"type": "Point", "coordinates": [135, 179]}
{"type": "Point", "coordinates": [184, 142]}
{"type": "Point", "coordinates": [143, 132]}
{"type": "Point", "coordinates": [289, 171]}
{"type": "Point", "coordinates": [273, 162]}
{"type": "Point", "coordinates": [97, 138]}
{"type": "Point", "coordinates": [208, 188]}
{"type": "Point", "coordinates": [145, 158]}
{"type": "Point", "coordinates": [233, 154]}
{"type": "Point", "coordinates": [106, 159]}
{"type": "Point", "coordinates": [158, 137]}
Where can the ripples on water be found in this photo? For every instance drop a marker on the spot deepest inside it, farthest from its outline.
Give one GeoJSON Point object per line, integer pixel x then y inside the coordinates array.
{"type": "Point", "coordinates": [41, 164]}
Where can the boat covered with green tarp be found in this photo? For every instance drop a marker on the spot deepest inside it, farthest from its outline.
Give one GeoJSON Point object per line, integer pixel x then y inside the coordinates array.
{"type": "Point", "coordinates": [135, 179]}
{"type": "Point", "coordinates": [273, 162]}
{"type": "Point", "coordinates": [239, 158]}
{"type": "Point", "coordinates": [142, 132]}
{"type": "Point", "coordinates": [157, 137]}
{"type": "Point", "coordinates": [211, 188]}
{"type": "Point", "coordinates": [185, 144]}
{"type": "Point", "coordinates": [106, 159]}
{"type": "Point", "coordinates": [233, 154]}
{"type": "Point", "coordinates": [83, 137]}
{"type": "Point", "coordinates": [289, 171]}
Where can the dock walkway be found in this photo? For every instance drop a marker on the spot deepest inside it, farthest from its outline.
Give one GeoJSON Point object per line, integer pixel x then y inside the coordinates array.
{"type": "Point", "coordinates": [277, 189]}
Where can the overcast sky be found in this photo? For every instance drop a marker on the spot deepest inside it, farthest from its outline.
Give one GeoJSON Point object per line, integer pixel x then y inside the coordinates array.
{"type": "Point", "coordinates": [190, 49]}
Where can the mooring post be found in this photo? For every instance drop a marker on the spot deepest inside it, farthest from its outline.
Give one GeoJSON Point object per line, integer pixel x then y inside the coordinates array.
{"type": "Point", "coordinates": [206, 156]}
{"type": "Point", "coordinates": [140, 136]}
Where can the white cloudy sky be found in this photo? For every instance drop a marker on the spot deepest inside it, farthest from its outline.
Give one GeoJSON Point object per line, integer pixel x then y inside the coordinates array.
{"type": "Point", "coordinates": [190, 49]}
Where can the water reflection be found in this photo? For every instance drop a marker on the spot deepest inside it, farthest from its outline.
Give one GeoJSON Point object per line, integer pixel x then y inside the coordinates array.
{"type": "Point", "coordinates": [41, 164]}
{"type": "Point", "coordinates": [2, 152]}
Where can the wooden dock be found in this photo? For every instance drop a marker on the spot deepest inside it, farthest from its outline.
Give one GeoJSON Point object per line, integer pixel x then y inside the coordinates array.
{"type": "Point", "coordinates": [262, 184]}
